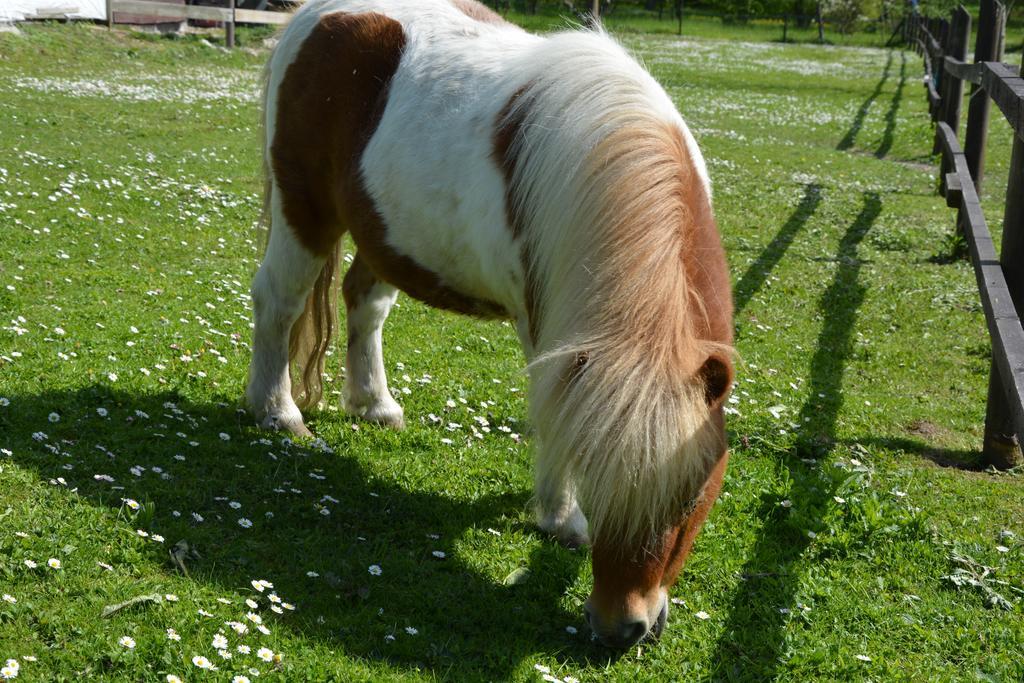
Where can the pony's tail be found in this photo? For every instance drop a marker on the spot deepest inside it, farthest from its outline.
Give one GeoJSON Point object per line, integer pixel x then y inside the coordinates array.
{"type": "Point", "coordinates": [313, 333]}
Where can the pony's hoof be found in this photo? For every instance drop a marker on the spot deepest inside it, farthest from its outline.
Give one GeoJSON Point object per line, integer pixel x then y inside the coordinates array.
{"type": "Point", "coordinates": [386, 415]}
{"type": "Point", "coordinates": [278, 423]}
{"type": "Point", "coordinates": [384, 412]}
{"type": "Point", "coordinates": [573, 541]}
{"type": "Point", "coordinates": [570, 532]}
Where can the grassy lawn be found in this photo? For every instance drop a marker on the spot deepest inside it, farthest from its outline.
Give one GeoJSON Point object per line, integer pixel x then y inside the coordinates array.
{"type": "Point", "coordinates": [129, 179]}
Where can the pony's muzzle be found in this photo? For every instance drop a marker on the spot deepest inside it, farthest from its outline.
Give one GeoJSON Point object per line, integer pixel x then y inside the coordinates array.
{"type": "Point", "coordinates": [628, 631]}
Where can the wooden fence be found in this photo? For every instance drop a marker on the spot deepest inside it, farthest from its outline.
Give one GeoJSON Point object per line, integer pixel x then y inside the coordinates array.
{"type": "Point", "coordinates": [228, 15]}
{"type": "Point", "coordinates": [943, 45]}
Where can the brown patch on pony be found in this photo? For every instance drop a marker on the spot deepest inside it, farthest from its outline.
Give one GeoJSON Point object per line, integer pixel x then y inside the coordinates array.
{"type": "Point", "coordinates": [687, 532]}
{"type": "Point", "coordinates": [480, 12]}
{"type": "Point", "coordinates": [509, 122]}
{"type": "Point", "coordinates": [329, 105]}
{"type": "Point", "coordinates": [704, 259]}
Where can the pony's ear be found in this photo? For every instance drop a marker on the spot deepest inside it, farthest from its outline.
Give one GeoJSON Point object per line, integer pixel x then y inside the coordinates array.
{"type": "Point", "coordinates": [716, 376]}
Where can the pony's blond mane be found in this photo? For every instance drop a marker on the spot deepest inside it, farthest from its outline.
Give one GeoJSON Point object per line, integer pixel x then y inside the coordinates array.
{"type": "Point", "coordinates": [625, 425]}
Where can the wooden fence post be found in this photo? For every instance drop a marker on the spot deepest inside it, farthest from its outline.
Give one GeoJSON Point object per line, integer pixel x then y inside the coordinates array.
{"type": "Point", "coordinates": [1002, 447]}
{"type": "Point", "coordinates": [988, 47]}
{"type": "Point", "coordinates": [110, 14]}
{"type": "Point", "coordinates": [953, 88]}
{"type": "Point", "coordinates": [229, 26]}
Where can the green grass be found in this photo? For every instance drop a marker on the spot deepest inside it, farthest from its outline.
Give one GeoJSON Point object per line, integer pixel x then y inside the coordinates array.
{"type": "Point", "coordinates": [128, 192]}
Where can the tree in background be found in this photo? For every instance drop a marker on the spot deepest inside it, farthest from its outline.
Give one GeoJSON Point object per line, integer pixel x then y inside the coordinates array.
{"type": "Point", "coordinates": [845, 16]}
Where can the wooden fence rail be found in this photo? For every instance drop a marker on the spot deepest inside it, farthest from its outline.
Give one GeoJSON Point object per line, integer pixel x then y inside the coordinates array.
{"type": "Point", "coordinates": [228, 15]}
{"type": "Point", "coordinates": [943, 47]}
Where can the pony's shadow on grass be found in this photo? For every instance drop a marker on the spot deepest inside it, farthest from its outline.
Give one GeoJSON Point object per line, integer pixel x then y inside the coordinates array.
{"type": "Point", "coordinates": [320, 521]}
{"type": "Point", "coordinates": [753, 639]}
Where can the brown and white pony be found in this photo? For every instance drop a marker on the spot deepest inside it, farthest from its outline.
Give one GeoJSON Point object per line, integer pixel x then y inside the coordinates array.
{"type": "Point", "coordinates": [550, 180]}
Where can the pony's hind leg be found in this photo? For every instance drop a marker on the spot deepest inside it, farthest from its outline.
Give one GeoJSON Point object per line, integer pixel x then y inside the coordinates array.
{"type": "Point", "coordinates": [279, 292]}
{"type": "Point", "coordinates": [368, 301]}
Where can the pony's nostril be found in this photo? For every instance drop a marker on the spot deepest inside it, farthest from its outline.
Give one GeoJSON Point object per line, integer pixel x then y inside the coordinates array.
{"type": "Point", "coordinates": [632, 632]}
{"type": "Point", "coordinates": [659, 625]}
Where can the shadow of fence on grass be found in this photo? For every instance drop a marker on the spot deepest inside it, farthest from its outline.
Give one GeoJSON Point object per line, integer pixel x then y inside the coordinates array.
{"type": "Point", "coordinates": [858, 118]}
{"type": "Point", "coordinates": [753, 638]}
{"type": "Point", "coordinates": [757, 272]}
{"type": "Point", "coordinates": [894, 108]}
{"type": "Point", "coordinates": [470, 626]}
{"type": "Point", "coordinates": [954, 458]}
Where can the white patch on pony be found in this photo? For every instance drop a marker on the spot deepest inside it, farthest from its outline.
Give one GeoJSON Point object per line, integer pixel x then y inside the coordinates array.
{"type": "Point", "coordinates": [279, 293]}
{"type": "Point", "coordinates": [366, 393]}
{"type": "Point", "coordinates": [430, 165]}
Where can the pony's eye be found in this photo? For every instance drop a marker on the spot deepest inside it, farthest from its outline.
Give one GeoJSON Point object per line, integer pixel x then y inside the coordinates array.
{"type": "Point", "coordinates": [575, 369]}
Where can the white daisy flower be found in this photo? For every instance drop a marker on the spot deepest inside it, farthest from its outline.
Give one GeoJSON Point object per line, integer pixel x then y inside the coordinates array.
{"type": "Point", "coordinates": [265, 653]}
{"type": "Point", "coordinates": [53, 563]}
{"type": "Point", "coordinates": [127, 641]}
{"type": "Point", "coordinates": [375, 570]}
{"type": "Point", "coordinates": [202, 662]}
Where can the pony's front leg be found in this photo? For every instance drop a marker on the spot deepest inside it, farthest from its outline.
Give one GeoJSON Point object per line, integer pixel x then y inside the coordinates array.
{"type": "Point", "coordinates": [368, 301]}
{"type": "Point", "coordinates": [279, 292]}
{"type": "Point", "coordinates": [558, 513]}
